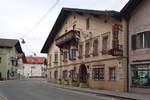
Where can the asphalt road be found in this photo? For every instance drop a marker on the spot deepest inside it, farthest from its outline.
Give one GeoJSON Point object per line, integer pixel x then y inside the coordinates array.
{"type": "Point", "coordinates": [40, 90]}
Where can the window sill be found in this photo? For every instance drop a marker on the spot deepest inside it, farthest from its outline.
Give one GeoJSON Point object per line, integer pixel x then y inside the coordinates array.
{"type": "Point", "coordinates": [72, 59]}
{"type": "Point", "coordinates": [65, 60]}
{"type": "Point", "coordinates": [87, 56]}
{"type": "Point", "coordinates": [55, 62]}
{"type": "Point", "coordinates": [80, 57]}
{"type": "Point", "coordinates": [99, 80]}
{"type": "Point", "coordinates": [95, 54]}
{"type": "Point", "coordinates": [112, 80]}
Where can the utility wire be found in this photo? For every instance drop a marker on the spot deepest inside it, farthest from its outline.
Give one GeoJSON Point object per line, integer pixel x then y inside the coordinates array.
{"type": "Point", "coordinates": [42, 18]}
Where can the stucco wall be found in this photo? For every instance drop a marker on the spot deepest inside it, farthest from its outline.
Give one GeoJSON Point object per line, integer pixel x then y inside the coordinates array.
{"type": "Point", "coordinates": [29, 71]}
{"type": "Point", "coordinates": [6, 54]}
{"type": "Point", "coordinates": [98, 28]}
{"type": "Point", "coordinates": [139, 22]}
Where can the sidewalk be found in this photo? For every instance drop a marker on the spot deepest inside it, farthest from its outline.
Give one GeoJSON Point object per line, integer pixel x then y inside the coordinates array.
{"type": "Point", "coordinates": [123, 95]}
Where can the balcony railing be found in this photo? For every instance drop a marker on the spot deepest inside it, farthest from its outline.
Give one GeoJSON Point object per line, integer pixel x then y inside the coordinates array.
{"type": "Point", "coordinates": [68, 38]}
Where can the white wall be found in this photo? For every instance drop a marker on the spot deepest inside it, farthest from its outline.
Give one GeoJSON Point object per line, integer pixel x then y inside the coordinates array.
{"type": "Point", "coordinates": [33, 70]}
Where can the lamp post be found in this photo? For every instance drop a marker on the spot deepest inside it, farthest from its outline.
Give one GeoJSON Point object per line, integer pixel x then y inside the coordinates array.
{"type": "Point", "coordinates": [23, 42]}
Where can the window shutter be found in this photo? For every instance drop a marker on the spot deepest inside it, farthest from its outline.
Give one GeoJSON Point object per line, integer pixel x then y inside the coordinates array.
{"type": "Point", "coordinates": [133, 42]}
{"type": "Point", "coordinates": [148, 39]}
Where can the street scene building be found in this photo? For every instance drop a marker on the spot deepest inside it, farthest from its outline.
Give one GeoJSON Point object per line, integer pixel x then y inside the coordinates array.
{"type": "Point", "coordinates": [9, 48]}
{"type": "Point", "coordinates": [20, 68]}
{"type": "Point", "coordinates": [35, 67]}
{"type": "Point", "coordinates": [89, 54]}
{"type": "Point", "coordinates": [88, 48]}
{"type": "Point", "coordinates": [137, 14]}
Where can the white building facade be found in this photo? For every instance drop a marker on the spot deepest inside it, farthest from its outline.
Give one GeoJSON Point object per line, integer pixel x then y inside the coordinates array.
{"type": "Point", "coordinates": [35, 67]}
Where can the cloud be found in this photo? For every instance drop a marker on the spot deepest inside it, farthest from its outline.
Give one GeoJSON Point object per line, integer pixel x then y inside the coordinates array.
{"type": "Point", "coordinates": [18, 18]}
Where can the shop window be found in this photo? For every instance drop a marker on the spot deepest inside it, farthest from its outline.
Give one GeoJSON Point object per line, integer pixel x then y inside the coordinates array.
{"type": "Point", "coordinates": [73, 75]}
{"type": "Point", "coordinates": [80, 51]}
{"type": "Point", "coordinates": [56, 75]}
{"type": "Point", "coordinates": [98, 74]}
{"type": "Point", "coordinates": [88, 23]}
{"type": "Point", "coordinates": [112, 73]}
{"type": "Point", "coordinates": [87, 49]}
{"type": "Point", "coordinates": [65, 74]}
{"type": "Point", "coordinates": [140, 76]}
{"type": "Point", "coordinates": [65, 55]}
{"type": "Point", "coordinates": [95, 47]}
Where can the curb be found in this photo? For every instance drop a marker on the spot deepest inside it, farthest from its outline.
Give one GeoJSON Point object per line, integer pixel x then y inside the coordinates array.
{"type": "Point", "coordinates": [98, 94]}
{"type": "Point", "coordinates": [115, 94]}
{"type": "Point", "coordinates": [3, 98]}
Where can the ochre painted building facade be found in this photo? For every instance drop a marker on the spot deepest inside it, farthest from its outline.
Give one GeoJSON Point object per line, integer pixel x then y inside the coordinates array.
{"type": "Point", "coordinates": [88, 46]}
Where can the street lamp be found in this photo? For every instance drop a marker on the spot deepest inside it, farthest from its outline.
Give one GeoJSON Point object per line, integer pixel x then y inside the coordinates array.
{"type": "Point", "coordinates": [22, 41]}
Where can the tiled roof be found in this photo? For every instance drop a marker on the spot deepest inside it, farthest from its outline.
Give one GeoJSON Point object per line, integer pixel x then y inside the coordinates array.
{"type": "Point", "coordinates": [35, 60]}
{"type": "Point", "coordinates": [65, 12]}
{"type": "Point", "coordinates": [129, 7]}
{"type": "Point", "coordinates": [9, 43]}
{"type": "Point", "coordinates": [22, 56]}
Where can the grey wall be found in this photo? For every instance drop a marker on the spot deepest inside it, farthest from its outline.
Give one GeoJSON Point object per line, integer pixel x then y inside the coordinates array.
{"type": "Point", "coordinates": [139, 22]}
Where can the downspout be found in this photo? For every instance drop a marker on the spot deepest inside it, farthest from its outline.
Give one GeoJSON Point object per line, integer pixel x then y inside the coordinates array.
{"type": "Point", "coordinates": [60, 68]}
{"type": "Point", "coordinates": [128, 56]}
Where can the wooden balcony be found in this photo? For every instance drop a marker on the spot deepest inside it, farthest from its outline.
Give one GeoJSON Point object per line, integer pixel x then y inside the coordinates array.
{"type": "Point", "coordinates": [69, 38]}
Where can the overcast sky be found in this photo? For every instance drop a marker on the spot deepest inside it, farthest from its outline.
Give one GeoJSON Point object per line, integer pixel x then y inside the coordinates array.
{"type": "Point", "coordinates": [29, 19]}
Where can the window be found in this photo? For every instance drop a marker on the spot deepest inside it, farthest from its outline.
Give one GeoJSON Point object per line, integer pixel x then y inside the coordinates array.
{"type": "Point", "coordinates": [50, 75]}
{"type": "Point", "coordinates": [133, 42]}
{"type": "Point", "coordinates": [80, 51]}
{"type": "Point", "coordinates": [112, 74]}
{"type": "Point", "coordinates": [32, 67]}
{"type": "Point", "coordinates": [147, 39]}
{"type": "Point", "coordinates": [95, 47]}
{"type": "Point", "coordinates": [73, 75]}
{"type": "Point", "coordinates": [56, 58]}
{"type": "Point", "coordinates": [140, 76]}
{"type": "Point", "coordinates": [87, 23]}
{"type": "Point", "coordinates": [98, 74]}
{"type": "Point", "coordinates": [87, 49]}
{"type": "Point", "coordinates": [49, 59]}
{"type": "Point", "coordinates": [65, 55]}
{"type": "Point", "coordinates": [65, 74]}
{"type": "Point", "coordinates": [0, 60]}
{"type": "Point", "coordinates": [72, 54]}
{"type": "Point", "coordinates": [141, 40]}
{"type": "Point", "coordinates": [56, 74]}
{"type": "Point", "coordinates": [105, 43]}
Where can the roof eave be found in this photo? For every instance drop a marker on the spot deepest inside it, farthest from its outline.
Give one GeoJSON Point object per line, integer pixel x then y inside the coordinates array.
{"type": "Point", "coordinates": [129, 8]}
{"type": "Point", "coordinates": [59, 21]}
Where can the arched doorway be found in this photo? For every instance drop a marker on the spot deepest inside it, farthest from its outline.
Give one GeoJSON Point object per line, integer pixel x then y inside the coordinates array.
{"type": "Point", "coordinates": [8, 75]}
{"type": "Point", "coordinates": [82, 73]}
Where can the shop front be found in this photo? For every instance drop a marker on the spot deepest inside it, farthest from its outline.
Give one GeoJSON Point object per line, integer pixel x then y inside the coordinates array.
{"type": "Point", "coordinates": [140, 78]}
